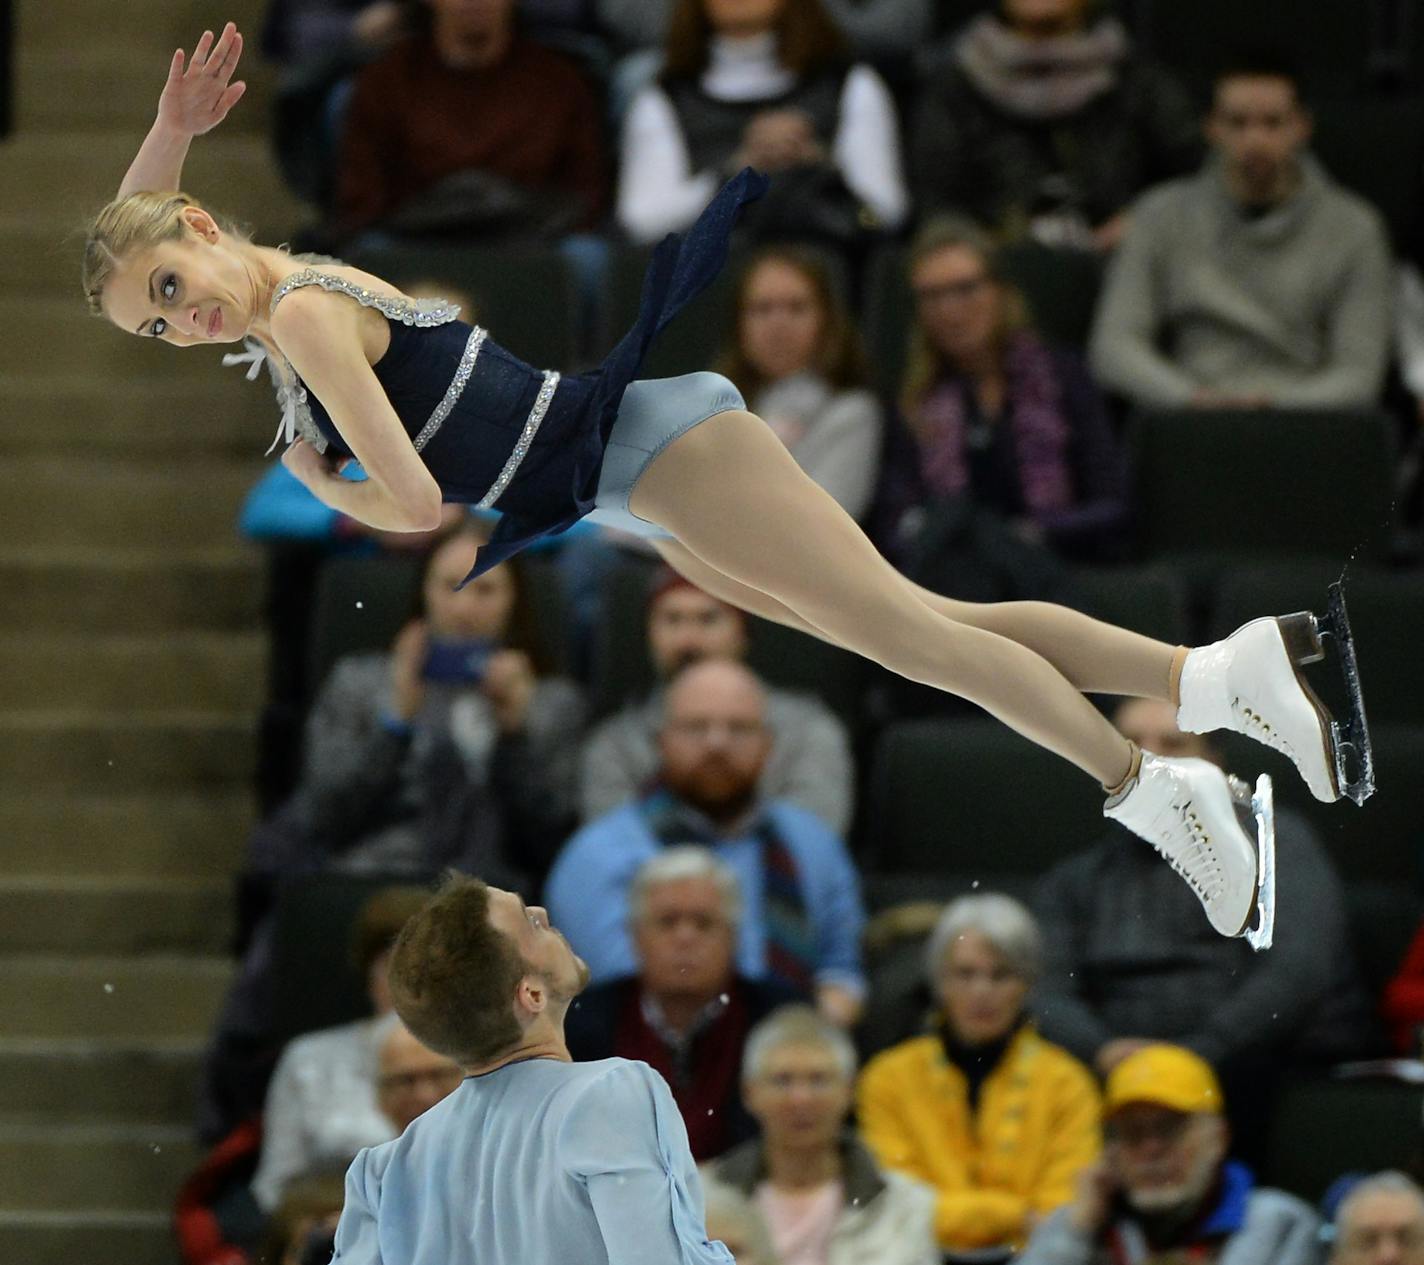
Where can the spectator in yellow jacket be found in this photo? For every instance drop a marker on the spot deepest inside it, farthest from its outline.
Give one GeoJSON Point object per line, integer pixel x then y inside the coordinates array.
{"type": "Point", "coordinates": [999, 1121]}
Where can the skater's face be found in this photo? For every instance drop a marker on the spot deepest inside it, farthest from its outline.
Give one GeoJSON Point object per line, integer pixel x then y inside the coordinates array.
{"type": "Point", "coordinates": [743, 17]}
{"type": "Point", "coordinates": [958, 302]}
{"type": "Point", "coordinates": [800, 1095]}
{"type": "Point", "coordinates": [1381, 1227]}
{"type": "Point", "coordinates": [981, 993]}
{"type": "Point", "coordinates": [186, 292]}
{"type": "Point", "coordinates": [714, 740]}
{"type": "Point", "coordinates": [782, 321]}
{"type": "Point", "coordinates": [411, 1079]}
{"type": "Point", "coordinates": [1164, 1159]}
{"type": "Point", "coordinates": [544, 949]}
{"type": "Point", "coordinates": [684, 939]}
{"type": "Point", "coordinates": [1040, 19]}
{"type": "Point", "coordinates": [686, 625]}
{"type": "Point", "coordinates": [1259, 127]}
{"type": "Point", "coordinates": [481, 609]}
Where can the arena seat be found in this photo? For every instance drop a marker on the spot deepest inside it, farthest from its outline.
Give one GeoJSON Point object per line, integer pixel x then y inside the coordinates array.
{"type": "Point", "coordinates": [1375, 146]}
{"type": "Point", "coordinates": [1383, 919]}
{"type": "Point", "coordinates": [1150, 600]}
{"type": "Point", "coordinates": [973, 798]}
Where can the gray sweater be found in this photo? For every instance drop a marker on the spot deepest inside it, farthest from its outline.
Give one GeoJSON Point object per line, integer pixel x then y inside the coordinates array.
{"type": "Point", "coordinates": [1294, 304]}
{"type": "Point", "coordinates": [810, 761]}
{"type": "Point", "coordinates": [1279, 1229]}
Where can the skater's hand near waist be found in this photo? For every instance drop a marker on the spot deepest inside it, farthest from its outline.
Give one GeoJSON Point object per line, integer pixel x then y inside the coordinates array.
{"type": "Point", "coordinates": [197, 99]}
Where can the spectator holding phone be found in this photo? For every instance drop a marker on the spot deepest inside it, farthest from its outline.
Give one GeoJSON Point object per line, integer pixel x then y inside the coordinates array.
{"type": "Point", "coordinates": [454, 747]}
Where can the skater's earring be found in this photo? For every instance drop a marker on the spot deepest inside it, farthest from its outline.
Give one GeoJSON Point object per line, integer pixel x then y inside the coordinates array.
{"type": "Point", "coordinates": [1174, 675]}
{"type": "Point", "coordinates": [1134, 767]}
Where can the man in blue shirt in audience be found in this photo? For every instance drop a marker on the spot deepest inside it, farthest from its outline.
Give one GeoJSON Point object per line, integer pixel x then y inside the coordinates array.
{"type": "Point", "coordinates": [802, 912]}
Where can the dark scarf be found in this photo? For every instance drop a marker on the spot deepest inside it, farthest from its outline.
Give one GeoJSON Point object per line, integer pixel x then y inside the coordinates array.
{"type": "Point", "coordinates": [977, 1062]}
{"type": "Point", "coordinates": [1041, 79]}
{"type": "Point", "coordinates": [790, 942]}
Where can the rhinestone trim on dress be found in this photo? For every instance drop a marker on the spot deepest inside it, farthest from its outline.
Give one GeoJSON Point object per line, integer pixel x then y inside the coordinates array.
{"type": "Point", "coordinates": [419, 312]}
{"type": "Point", "coordinates": [452, 393]}
{"type": "Point", "coordinates": [526, 437]}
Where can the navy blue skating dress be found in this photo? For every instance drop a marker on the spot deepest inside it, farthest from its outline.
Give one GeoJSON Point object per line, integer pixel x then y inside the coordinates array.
{"type": "Point", "coordinates": [493, 430]}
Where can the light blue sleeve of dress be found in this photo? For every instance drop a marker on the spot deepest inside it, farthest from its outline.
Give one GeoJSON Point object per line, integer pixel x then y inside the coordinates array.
{"type": "Point", "coordinates": [625, 1141]}
{"type": "Point", "coordinates": [357, 1242]}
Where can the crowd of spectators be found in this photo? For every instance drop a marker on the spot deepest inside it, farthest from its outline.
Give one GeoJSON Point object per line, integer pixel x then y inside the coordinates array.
{"type": "Point", "coordinates": [1081, 1070]}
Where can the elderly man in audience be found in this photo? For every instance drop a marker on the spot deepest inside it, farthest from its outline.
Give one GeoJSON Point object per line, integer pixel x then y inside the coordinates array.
{"type": "Point", "coordinates": [809, 761]}
{"type": "Point", "coordinates": [1258, 282]}
{"type": "Point", "coordinates": [322, 1106]}
{"type": "Point", "coordinates": [1126, 962]}
{"type": "Point", "coordinates": [687, 1012]}
{"type": "Point", "coordinates": [1381, 1222]}
{"type": "Point", "coordinates": [411, 1079]}
{"type": "Point", "coordinates": [1164, 1190]}
{"type": "Point", "coordinates": [998, 1121]}
{"type": "Point", "coordinates": [802, 912]}
{"type": "Point", "coordinates": [820, 1192]}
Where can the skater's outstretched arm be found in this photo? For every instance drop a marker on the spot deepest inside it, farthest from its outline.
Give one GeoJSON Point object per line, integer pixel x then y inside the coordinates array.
{"type": "Point", "coordinates": [194, 100]}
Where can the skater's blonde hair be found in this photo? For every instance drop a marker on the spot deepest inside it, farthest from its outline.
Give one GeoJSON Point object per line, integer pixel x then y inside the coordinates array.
{"type": "Point", "coordinates": [924, 363]}
{"type": "Point", "coordinates": [135, 223]}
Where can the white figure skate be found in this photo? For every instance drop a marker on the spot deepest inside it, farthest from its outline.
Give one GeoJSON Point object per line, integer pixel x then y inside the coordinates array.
{"type": "Point", "coordinates": [1250, 683]}
{"type": "Point", "coordinates": [1187, 810]}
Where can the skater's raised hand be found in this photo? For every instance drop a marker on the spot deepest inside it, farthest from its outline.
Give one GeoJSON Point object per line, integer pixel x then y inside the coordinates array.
{"type": "Point", "coordinates": [198, 96]}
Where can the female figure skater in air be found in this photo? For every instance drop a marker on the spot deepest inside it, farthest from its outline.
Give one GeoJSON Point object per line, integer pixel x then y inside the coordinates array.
{"type": "Point", "coordinates": [435, 410]}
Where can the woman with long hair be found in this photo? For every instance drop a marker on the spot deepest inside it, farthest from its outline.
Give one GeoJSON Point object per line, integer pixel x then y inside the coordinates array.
{"type": "Point", "coordinates": [435, 410]}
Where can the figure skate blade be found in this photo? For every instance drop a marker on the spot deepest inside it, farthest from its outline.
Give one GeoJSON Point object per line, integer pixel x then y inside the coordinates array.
{"type": "Point", "coordinates": [1354, 756]}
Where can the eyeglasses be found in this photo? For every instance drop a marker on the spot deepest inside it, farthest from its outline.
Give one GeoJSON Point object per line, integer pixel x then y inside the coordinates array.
{"type": "Point", "coordinates": [956, 290]}
{"type": "Point", "coordinates": [701, 730]}
{"type": "Point", "coordinates": [443, 1078]}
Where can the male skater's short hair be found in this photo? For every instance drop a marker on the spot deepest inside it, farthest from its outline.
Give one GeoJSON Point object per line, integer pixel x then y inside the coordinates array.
{"type": "Point", "coordinates": [453, 975]}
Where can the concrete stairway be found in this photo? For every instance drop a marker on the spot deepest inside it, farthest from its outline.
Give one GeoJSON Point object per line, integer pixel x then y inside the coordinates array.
{"type": "Point", "coordinates": [133, 659]}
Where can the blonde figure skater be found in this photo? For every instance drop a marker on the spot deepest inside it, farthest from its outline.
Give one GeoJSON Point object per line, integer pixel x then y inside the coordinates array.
{"type": "Point", "coordinates": [435, 410]}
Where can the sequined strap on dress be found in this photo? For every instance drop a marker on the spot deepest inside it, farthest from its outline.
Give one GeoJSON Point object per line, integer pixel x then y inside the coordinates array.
{"type": "Point", "coordinates": [421, 313]}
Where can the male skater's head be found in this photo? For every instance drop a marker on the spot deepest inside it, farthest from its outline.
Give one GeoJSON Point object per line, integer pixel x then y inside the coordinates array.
{"type": "Point", "coordinates": [482, 978]}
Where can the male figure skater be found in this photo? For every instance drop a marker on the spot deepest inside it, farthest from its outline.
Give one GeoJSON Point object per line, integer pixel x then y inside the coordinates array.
{"type": "Point", "coordinates": [534, 1158]}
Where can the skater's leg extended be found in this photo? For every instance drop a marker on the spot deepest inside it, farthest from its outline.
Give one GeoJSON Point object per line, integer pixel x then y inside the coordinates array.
{"type": "Point", "coordinates": [735, 498]}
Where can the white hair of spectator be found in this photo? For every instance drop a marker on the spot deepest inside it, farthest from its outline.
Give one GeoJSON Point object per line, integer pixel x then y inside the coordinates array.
{"type": "Point", "coordinates": [796, 1025]}
{"type": "Point", "coordinates": [679, 864]}
{"type": "Point", "coordinates": [1389, 1182]}
{"type": "Point", "coordinates": [1004, 922]}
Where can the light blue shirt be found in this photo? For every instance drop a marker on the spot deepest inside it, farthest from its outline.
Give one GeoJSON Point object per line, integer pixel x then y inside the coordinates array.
{"type": "Point", "coordinates": [587, 892]}
{"type": "Point", "coordinates": [538, 1163]}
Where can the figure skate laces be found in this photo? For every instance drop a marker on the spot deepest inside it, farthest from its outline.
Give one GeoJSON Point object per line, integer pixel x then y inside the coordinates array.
{"type": "Point", "coordinates": [1250, 683]}
{"type": "Point", "coordinates": [1187, 810]}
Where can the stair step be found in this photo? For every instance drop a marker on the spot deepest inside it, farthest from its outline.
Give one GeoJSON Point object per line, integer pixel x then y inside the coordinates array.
{"type": "Point", "coordinates": [140, 26]}
{"type": "Point", "coordinates": [111, 999]}
{"type": "Point", "coordinates": [128, 590]}
{"type": "Point", "coordinates": [40, 914]}
{"type": "Point", "coordinates": [61, 1168]}
{"type": "Point", "coordinates": [208, 671]}
{"type": "Point", "coordinates": [57, 501]}
{"type": "Point", "coordinates": [120, 754]}
{"type": "Point", "coordinates": [68, 1238]}
{"type": "Point", "coordinates": [92, 1082]}
{"type": "Point", "coordinates": [177, 835]}
{"type": "Point", "coordinates": [81, 170]}
{"type": "Point", "coordinates": [228, 416]}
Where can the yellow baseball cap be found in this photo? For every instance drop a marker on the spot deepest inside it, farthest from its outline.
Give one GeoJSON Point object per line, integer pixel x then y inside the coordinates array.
{"type": "Point", "coordinates": [1165, 1076]}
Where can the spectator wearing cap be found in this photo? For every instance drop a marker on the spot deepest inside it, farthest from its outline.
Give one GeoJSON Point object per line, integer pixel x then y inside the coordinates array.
{"type": "Point", "coordinates": [687, 1011]}
{"type": "Point", "coordinates": [1380, 1222]}
{"type": "Point", "coordinates": [808, 763]}
{"type": "Point", "coordinates": [800, 890]}
{"type": "Point", "coordinates": [984, 1110]}
{"type": "Point", "coordinates": [1164, 1189]}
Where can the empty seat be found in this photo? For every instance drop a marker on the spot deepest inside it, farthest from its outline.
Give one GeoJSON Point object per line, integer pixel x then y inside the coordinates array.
{"type": "Point", "coordinates": [1386, 615]}
{"type": "Point", "coordinates": [1148, 600]}
{"type": "Point", "coordinates": [1375, 146]}
{"type": "Point", "coordinates": [360, 605]}
{"type": "Point", "coordinates": [499, 280]}
{"type": "Point", "coordinates": [1383, 920]}
{"type": "Point", "coordinates": [1274, 483]}
{"type": "Point", "coordinates": [973, 798]}
{"type": "Point", "coordinates": [1324, 1128]}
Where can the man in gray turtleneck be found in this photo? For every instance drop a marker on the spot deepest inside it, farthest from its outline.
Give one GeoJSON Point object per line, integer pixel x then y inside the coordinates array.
{"type": "Point", "coordinates": [1258, 282]}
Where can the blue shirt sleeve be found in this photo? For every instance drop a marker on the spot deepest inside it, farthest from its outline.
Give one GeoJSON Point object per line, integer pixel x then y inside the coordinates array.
{"type": "Point", "coordinates": [587, 894]}
{"type": "Point", "coordinates": [357, 1242]}
{"type": "Point", "coordinates": [279, 507]}
{"type": "Point", "coordinates": [832, 895]}
{"type": "Point", "coordinates": [625, 1142]}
